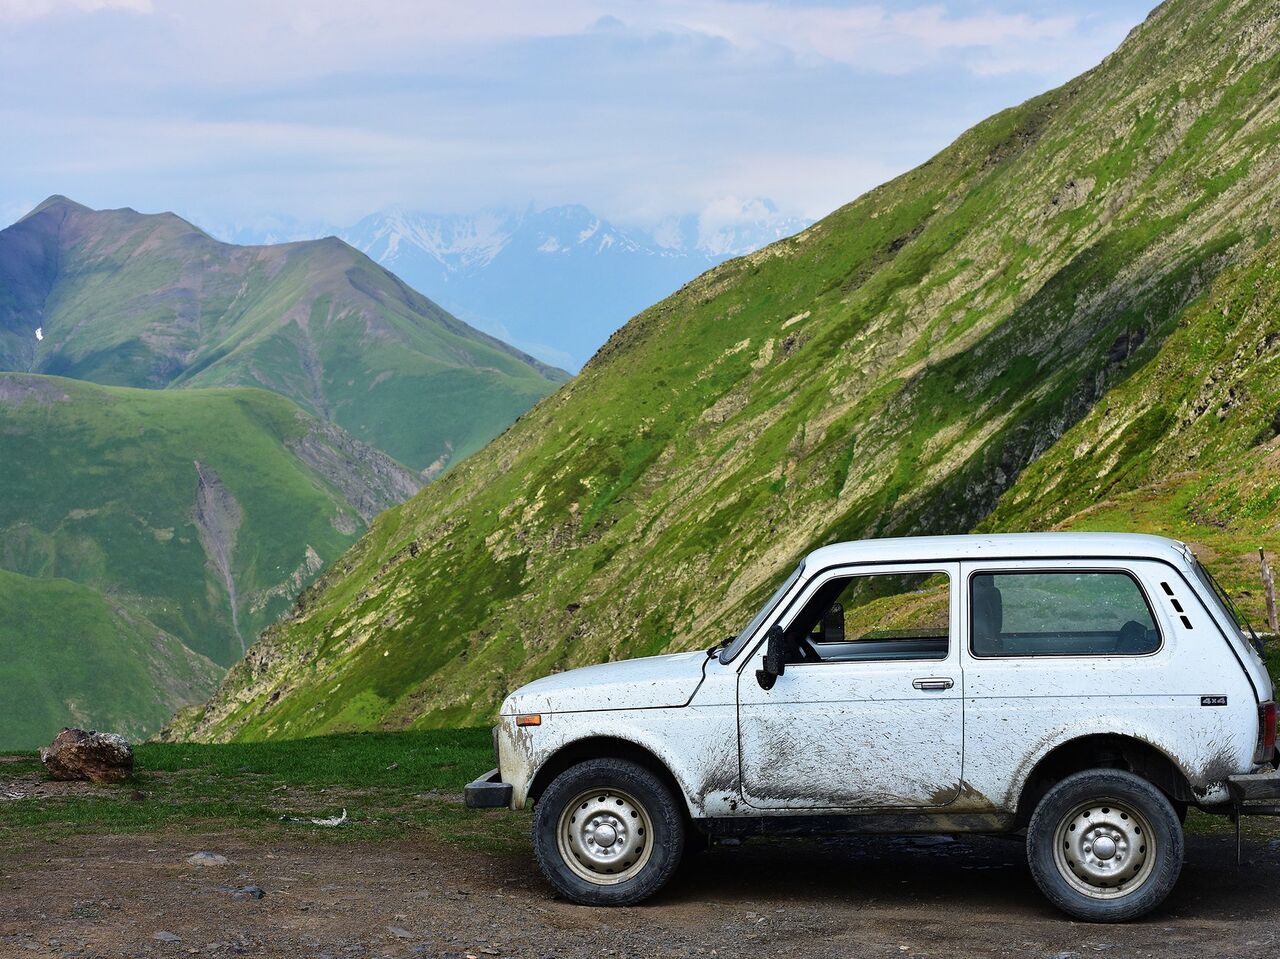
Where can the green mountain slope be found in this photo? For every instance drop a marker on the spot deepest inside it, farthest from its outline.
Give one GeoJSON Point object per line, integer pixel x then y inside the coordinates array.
{"type": "Point", "coordinates": [70, 656]}
{"type": "Point", "coordinates": [893, 369]}
{"type": "Point", "coordinates": [1189, 446]}
{"type": "Point", "coordinates": [201, 511]}
{"type": "Point", "coordinates": [127, 299]}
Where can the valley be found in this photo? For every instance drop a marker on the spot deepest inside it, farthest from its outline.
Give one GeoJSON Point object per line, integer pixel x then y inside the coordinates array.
{"type": "Point", "coordinates": [189, 432]}
{"type": "Point", "coordinates": [176, 523]}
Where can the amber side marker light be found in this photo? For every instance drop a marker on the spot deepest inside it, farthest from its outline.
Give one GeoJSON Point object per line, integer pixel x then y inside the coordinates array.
{"type": "Point", "coordinates": [529, 719]}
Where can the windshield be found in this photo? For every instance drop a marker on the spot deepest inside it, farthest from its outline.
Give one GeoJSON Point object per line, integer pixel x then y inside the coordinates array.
{"type": "Point", "coordinates": [1228, 606]}
{"type": "Point", "coordinates": [740, 640]}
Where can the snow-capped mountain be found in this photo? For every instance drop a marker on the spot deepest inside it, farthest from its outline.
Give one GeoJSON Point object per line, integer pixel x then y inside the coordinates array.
{"type": "Point", "coordinates": [727, 229]}
{"type": "Point", "coordinates": [556, 282]}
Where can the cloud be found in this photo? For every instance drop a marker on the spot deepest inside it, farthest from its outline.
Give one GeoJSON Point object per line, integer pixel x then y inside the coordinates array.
{"type": "Point", "coordinates": [256, 41]}
{"type": "Point", "coordinates": [17, 10]}
{"type": "Point", "coordinates": [865, 36]}
{"type": "Point", "coordinates": [327, 109]}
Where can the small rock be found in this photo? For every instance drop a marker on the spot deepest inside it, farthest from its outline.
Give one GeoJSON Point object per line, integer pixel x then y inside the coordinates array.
{"type": "Point", "coordinates": [400, 933]}
{"type": "Point", "coordinates": [167, 937]}
{"type": "Point", "coordinates": [249, 892]}
{"type": "Point", "coordinates": [207, 859]}
{"type": "Point", "coordinates": [77, 754]}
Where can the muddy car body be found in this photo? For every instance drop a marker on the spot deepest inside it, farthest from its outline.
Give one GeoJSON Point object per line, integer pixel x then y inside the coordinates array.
{"type": "Point", "coordinates": [1085, 688]}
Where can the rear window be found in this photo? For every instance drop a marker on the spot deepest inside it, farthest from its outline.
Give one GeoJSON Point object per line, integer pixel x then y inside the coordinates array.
{"type": "Point", "coordinates": [1060, 613]}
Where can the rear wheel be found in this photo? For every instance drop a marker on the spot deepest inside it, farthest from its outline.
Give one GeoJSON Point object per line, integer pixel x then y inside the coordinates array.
{"type": "Point", "coordinates": [1105, 845]}
{"type": "Point", "coordinates": [608, 832]}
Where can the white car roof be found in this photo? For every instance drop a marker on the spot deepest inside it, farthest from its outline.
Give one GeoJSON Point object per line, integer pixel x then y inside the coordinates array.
{"type": "Point", "coordinates": [1002, 546]}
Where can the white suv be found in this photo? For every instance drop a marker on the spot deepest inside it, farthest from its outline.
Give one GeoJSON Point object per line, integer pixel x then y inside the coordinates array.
{"type": "Point", "coordinates": [1086, 688]}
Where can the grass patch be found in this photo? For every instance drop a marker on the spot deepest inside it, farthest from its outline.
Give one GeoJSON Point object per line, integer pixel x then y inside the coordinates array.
{"type": "Point", "coordinates": [392, 785]}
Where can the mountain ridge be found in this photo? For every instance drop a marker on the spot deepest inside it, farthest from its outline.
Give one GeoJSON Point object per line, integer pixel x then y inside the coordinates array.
{"type": "Point", "coordinates": [132, 299]}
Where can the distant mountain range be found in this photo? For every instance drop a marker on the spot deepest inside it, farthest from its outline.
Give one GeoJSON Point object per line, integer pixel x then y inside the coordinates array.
{"type": "Point", "coordinates": [554, 282]}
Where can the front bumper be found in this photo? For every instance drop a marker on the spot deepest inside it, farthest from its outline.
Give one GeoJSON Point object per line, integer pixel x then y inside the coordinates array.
{"type": "Point", "coordinates": [487, 792]}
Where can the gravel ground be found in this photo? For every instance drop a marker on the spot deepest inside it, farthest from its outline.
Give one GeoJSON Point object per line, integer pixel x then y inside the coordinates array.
{"type": "Point", "coordinates": [137, 895]}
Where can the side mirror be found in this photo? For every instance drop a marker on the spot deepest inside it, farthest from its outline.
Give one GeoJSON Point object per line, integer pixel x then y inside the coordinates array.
{"type": "Point", "coordinates": [775, 658]}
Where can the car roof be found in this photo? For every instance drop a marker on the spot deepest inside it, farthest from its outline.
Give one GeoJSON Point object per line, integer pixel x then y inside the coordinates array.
{"type": "Point", "coordinates": [986, 546]}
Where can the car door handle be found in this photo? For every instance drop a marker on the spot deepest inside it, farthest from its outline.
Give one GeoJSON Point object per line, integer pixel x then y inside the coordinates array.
{"type": "Point", "coordinates": [933, 682]}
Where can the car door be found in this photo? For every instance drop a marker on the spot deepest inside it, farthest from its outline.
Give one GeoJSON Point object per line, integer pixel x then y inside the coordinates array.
{"type": "Point", "coordinates": [875, 721]}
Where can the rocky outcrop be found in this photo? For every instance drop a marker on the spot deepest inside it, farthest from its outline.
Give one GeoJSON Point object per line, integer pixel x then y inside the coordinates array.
{"type": "Point", "coordinates": [77, 754]}
{"type": "Point", "coordinates": [217, 516]}
{"type": "Point", "coordinates": [367, 478]}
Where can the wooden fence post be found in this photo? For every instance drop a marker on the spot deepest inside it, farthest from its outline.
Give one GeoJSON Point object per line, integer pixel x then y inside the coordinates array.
{"type": "Point", "coordinates": [1269, 589]}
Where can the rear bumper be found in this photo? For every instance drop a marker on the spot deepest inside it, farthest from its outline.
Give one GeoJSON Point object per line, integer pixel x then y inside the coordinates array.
{"type": "Point", "coordinates": [1256, 794]}
{"type": "Point", "coordinates": [487, 792]}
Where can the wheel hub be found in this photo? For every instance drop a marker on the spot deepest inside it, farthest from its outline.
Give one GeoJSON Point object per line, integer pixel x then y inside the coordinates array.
{"type": "Point", "coordinates": [604, 836]}
{"type": "Point", "coordinates": [1104, 849]}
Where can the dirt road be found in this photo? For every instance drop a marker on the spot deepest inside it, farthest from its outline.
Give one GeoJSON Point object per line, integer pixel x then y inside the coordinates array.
{"type": "Point", "coordinates": [121, 896]}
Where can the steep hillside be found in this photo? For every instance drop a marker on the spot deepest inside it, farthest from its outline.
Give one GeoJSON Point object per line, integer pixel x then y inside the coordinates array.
{"type": "Point", "coordinates": [202, 511]}
{"type": "Point", "coordinates": [1189, 446]}
{"type": "Point", "coordinates": [126, 299]}
{"type": "Point", "coordinates": [69, 656]}
{"type": "Point", "coordinates": [893, 369]}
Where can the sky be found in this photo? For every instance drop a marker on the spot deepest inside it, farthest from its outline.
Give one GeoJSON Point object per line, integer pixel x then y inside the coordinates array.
{"type": "Point", "coordinates": [239, 113]}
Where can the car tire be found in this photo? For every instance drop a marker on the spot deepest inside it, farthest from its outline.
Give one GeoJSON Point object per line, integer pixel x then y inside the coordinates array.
{"type": "Point", "coordinates": [1105, 846]}
{"type": "Point", "coordinates": [608, 832]}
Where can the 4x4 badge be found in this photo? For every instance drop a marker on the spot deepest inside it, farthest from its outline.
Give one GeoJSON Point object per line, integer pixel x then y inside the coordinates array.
{"type": "Point", "coordinates": [1213, 700]}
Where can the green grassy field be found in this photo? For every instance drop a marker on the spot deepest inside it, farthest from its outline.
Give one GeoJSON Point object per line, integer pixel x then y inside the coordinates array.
{"type": "Point", "coordinates": [391, 784]}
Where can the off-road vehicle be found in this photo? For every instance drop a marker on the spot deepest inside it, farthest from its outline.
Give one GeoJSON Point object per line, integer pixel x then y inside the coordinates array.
{"type": "Point", "coordinates": [1085, 689]}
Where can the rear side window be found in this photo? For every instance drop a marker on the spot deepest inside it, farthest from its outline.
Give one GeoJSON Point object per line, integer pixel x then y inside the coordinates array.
{"type": "Point", "coordinates": [1060, 613]}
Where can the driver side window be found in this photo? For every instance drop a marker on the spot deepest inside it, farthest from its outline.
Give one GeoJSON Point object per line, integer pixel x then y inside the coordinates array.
{"type": "Point", "coordinates": [874, 617]}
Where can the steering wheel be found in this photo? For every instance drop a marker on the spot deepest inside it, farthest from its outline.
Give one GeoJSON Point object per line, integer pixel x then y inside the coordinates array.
{"type": "Point", "coordinates": [806, 651]}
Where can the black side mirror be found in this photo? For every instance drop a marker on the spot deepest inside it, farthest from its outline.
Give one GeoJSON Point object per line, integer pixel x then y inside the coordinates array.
{"type": "Point", "coordinates": [775, 658]}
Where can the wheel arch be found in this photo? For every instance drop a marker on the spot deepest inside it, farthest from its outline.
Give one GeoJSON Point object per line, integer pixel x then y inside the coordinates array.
{"type": "Point", "coordinates": [1103, 751]}
{"type": "Point", "coordinates": [604, 747]}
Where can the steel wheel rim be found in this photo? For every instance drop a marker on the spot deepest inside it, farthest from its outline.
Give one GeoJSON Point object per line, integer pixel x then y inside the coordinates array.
{"type": "Point", "coordinates": [604, 836]}
{"type": "Point", "coordinates": [1105, 849]}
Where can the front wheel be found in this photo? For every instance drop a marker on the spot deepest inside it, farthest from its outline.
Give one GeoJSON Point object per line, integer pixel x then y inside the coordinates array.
{"type": "Point", "coordinates": [608, 832]}
{"type": "Point", "coordinates": [1105, 846]}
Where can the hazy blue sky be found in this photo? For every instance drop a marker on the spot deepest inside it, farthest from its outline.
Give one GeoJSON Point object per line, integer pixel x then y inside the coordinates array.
{"type": "Point", "coordinates": [230, 111]}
